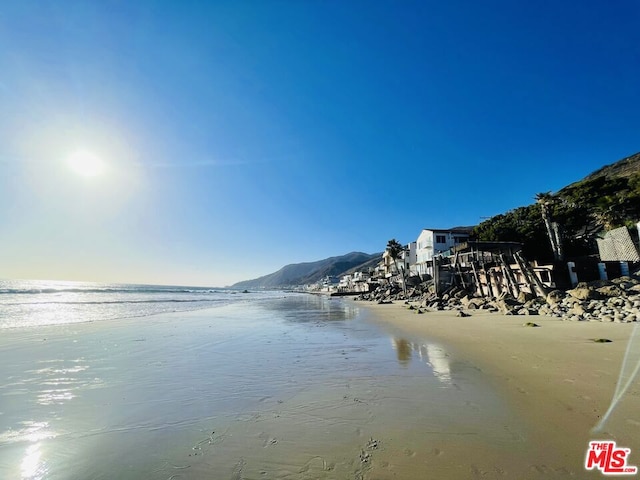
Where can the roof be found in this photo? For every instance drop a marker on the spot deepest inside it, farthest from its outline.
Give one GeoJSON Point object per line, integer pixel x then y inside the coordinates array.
{"type": "Point", "coordinates": [464, 230]}
{"type": "Point", "coordinates": [487, 246]}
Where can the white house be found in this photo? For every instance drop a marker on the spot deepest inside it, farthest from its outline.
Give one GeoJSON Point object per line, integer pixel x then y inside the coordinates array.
{"type": "Point", "coordinates": [433, 242]}
{"type": "Point", "coordinates": [410, 258]}
{"type": "Point", "coordinates": [406, 262]}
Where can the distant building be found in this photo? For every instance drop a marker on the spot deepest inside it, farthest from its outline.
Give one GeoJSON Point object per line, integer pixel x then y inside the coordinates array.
{"type": "Point", "coordinates": [410, 258]}
{"type": "Point", "coordinates": [406, 262]}
{"type": "Point", "coordinates": [433, 242]}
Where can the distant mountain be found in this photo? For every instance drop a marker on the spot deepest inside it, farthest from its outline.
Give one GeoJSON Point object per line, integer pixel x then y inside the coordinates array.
{"type": "Point", "coordinates": [311, 272]}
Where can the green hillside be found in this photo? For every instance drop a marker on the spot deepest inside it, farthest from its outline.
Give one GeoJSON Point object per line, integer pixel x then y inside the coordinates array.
{"type": "Point", "coordinates": [605, 199]}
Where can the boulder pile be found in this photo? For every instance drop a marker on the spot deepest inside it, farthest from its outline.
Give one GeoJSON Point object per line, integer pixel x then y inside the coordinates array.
{"type": "Point", "coordinates": [617, 300]}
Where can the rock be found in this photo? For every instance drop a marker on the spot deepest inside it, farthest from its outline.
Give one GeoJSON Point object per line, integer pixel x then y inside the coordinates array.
{"type": "Point", "coordinates": [462, 314]}
{"type": "Point", "coordinates": [602, 340]}
{"type": "Point", "coordinates": [577, 309]}
{"type": "Point", "coordinates": [507, 306]}
{"type": "Point", "coordinates": [610, 291]}
{"type": "Point", "coordinates": [554, 297]}
{"type": "Point", "coordinates": [626, 282]}
{"type": "Point", "coordinates": [544, 310]}
{"type": "Point", "coordinates": [583, 293]}
{"type": "Point", "coordinates": [570, 301]}
{"type": "Point", "coordinates": [530, 324]}
{"type": "Point", "coordinates": [524, 297]}
{"type": "Point", "coordinates": [476, 303]}
{"type": "Point", "coordinates": [600, 283]}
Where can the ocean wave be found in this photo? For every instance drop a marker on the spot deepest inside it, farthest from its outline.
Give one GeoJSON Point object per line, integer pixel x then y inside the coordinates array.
{"type": "Point", "coordinates": [111, 302]}
{"type": "Point", "coordinates": [35, 291]}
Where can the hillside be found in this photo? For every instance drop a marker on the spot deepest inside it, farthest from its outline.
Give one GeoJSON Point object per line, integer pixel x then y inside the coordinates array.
{"type": "Point", "coordinates": [310, 272]}
{"type": "Point", "coordinates": [604, 199]}
{"type": "Point", "coordinates": [625, 168]}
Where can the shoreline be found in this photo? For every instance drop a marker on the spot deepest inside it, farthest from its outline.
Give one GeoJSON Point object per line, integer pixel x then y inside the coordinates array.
{"type": "Point", "coordinates": [557, 379]}
{"type": "Point", "coordinates": [384, 394]}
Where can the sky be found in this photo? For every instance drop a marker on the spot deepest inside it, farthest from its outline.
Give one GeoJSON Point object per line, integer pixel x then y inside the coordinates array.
{"type": "Point", "coordinates": [235, 137]}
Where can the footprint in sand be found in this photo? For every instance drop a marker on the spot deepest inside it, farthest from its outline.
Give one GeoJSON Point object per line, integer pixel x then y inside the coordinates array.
{"type": "Point", "coordinates": [437, 452]}
{"type": "Point", "coordinates": [237, 471]}
{"type": "Point", "coordinates": [409, 453]}
{"type": "Point", "coordinates": [540, 468]}
{"type": "Point", "coordinates": [267, 441]}
{"type": "Point", "coordinates": [477, 472]}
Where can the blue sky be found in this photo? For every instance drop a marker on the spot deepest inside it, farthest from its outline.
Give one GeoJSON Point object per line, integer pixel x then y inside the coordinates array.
{"type": "Point", "coordinates": [241, 136]}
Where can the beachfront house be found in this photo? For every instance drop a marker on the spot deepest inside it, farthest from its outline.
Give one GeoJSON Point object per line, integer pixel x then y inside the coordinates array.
{"type": "Point", "coordinates": [406, 262]}
{"type": "Point", "coordinates": [432, 242]}
{"type": "Point", "coordinates": [389, 266]}
{"type": "Point", "coordinates": [345, 284]}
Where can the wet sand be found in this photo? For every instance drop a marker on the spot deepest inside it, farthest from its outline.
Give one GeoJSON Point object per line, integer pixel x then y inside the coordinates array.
{"type": "Point", "coordinates": [308, 388]}
{"type": "Point", "coordinates": [298, 388]}
{"type": "Point", "coordinates": [558, 381]}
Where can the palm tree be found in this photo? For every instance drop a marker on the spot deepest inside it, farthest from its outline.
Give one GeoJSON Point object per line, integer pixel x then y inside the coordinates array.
{"type": "Point", "coordinates": [395, 251]}
{"type": "Point", "coordinates": [546, 200]}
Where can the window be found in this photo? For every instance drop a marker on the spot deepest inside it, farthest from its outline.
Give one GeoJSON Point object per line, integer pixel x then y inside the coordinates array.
{"type": "Point", "coordinates": [441, 239]}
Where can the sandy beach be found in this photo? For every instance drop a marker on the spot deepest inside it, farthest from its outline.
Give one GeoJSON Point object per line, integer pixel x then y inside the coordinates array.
{"type": "Point", "coordinates": [309, 387]}
{"type": "Point", "coordinates": [559, 381]}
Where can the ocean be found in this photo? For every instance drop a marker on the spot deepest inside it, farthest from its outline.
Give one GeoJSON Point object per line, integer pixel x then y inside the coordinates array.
{"type": "Point", "coordinates": [28, 303]}
{"type": "Point", "coordinates": [165, 383]}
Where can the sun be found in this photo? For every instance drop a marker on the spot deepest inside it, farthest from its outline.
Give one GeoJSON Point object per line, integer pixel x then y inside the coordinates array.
{"type": "Point", "coordinates": [85, 163]}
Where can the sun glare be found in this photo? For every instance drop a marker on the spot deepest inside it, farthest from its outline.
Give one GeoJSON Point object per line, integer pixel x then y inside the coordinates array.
{"type": "Point", "coordinates": [86, 164]}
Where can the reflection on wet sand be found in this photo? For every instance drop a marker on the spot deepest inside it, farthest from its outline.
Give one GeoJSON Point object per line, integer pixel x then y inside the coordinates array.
{"type": "Point", "coordinates": [403, 350]}
{"type": "Point", "coordinates": [314, 308]}
{"type": "Point", "coordinates": [301, 387]}
{"type": "Point", "coordinates": [54, 384]}
{"type": "Point", "coordinates": [32, 467]}
{"type": "Point", "coordinates": [431, 354]}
